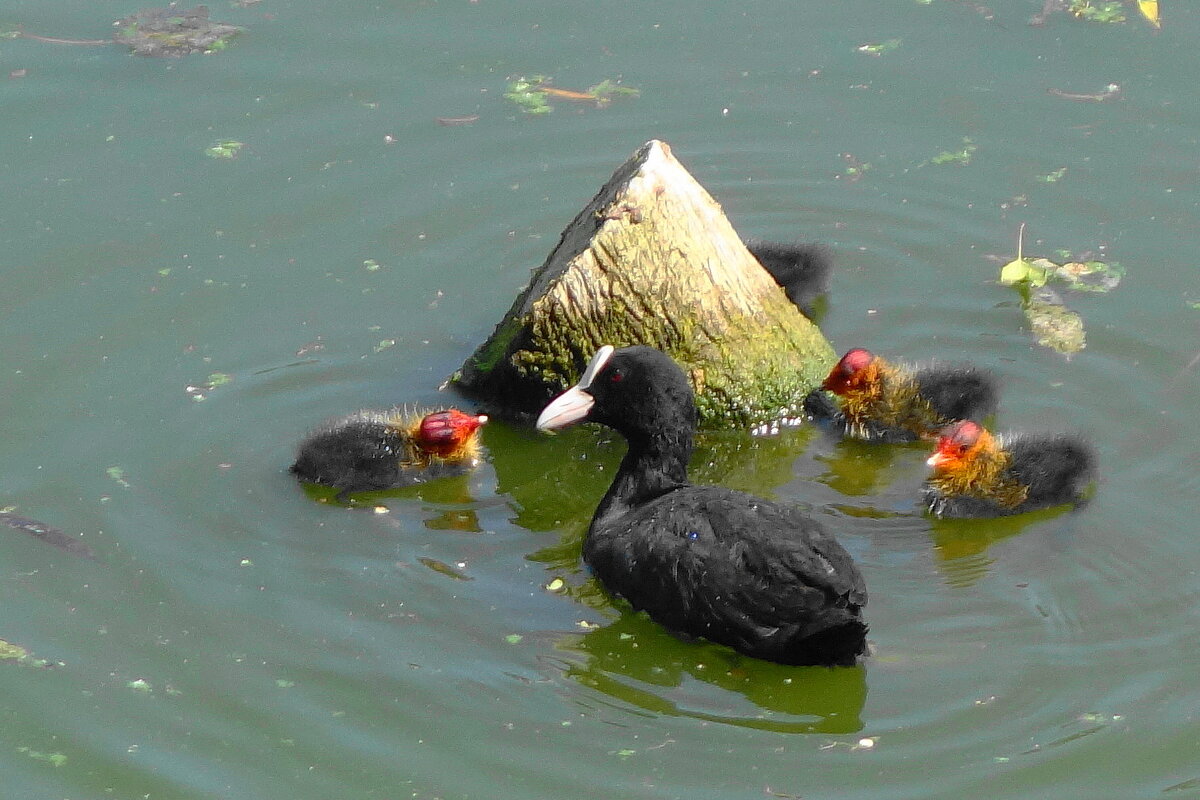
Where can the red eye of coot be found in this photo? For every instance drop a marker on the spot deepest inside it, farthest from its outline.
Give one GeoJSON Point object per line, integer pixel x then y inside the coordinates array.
{"type": "Point", "coordinates": [617, 376]}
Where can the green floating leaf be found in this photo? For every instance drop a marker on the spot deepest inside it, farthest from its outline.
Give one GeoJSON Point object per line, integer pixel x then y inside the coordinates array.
{"type": "Point", "coordinates": [57, 759]}
{"type": "Point", "coordinates": [879, 48]}
{"type": "Point", "coordinates": [527, 94]}
{"type": "Point", "coordinates": [118, 475]}
{"type": "Point", "coordinates": [1109, 12]}
{"type": "Point", "coordinates": [1053, 177]}
{"type": "Point", "coordinates": [514, 638]}
{"type": "Point", "coordinates": [607, 89]}
{"type": "Point", "coordinates": [1090, 276]}
{"type": "Point", "coordinates": [1021, 271]}
{"type": "Point", "coordinates": [12, 652]}
{"type": "Point", "coordinates": [962, 156]}
{"type": "Point", "coordinates": [1053, 324]}
{"type": "Point", "coordinates": [227, 148]}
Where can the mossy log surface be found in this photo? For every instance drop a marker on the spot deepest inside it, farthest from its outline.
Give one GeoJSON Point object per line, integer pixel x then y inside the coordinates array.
{"type": "Point", "coordinates": [653, 260]}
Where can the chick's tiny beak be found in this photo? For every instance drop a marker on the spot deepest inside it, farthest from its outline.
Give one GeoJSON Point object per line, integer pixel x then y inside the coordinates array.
{"type": "Point", "coordinates": [937, 459]}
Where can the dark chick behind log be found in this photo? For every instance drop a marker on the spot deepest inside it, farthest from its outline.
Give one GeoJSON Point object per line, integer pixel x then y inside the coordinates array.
{"type": "Point", "coordinates": [802, 269]}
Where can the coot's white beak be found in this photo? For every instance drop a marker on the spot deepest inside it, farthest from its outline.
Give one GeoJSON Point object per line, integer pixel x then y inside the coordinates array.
{"type": "Point", "coordinates": [574, 404]}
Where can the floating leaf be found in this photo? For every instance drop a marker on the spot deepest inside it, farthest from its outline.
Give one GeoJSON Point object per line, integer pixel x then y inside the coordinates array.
{"type": "Point", "coordinates": [118, 475]}
{"type": "Point", "coordinates": [12, 652]}
{"type": "Point", "coordinates": [1149, 9]}
{"type": "Point", "coordinates": [1053, 324]}
{"type": "Point", "coordinates": [1090, 276]}
{"type": "Point", "coordinates": [605, 90]}
{"type": "Point", "coordinates": [514, 638]}
{"type": "Point", "coordinates": [57, 759]}
{"type": "Point", "coordinates": [1110, 12]}
{"type": "Point", "coordinates": [962, 156]}
{"type": "Point", "coordinates": [525, 92]}
{"type": "Point", "coordinates": [1021, 271]}
{"type": "Point", "coordinates": [1053, 177]}
{"type": "Point", "coordinates": [140, 685]}
{"type": "Point", "coordinates": [227, 148]}
{"type": "Point", "coordinates": [1110, 91]}
{"type": "Point", "coordinates": [880, 48]}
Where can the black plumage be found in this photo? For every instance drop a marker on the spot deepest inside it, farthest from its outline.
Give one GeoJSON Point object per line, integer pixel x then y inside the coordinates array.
{"type": "Point", "coordinates": [761, 577]}
{"type": "Point", "coordinates": [802, 269]}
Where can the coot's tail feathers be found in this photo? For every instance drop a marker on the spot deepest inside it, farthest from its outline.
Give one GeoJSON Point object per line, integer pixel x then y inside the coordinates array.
{"type": "Point", "coordinates": [802, 269]}
{"type": "Point", "coordinates": [838, 644]}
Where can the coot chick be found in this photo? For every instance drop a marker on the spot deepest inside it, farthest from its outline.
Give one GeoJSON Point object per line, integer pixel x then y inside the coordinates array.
{"type": "Point", "coordinates": [373, 450]}
{"type": "Point", "coordinates": [802, 269]}
{"type": "Point", "coordinates": [884, 402]}
{"type": "Point", "coordinates": [976, 474]}
{"type": "Point", "coordinates": [763, 578]}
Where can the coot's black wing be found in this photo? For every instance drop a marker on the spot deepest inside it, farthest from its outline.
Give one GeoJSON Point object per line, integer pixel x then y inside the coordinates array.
{"type": "Point", "coordinates": [761, 577]}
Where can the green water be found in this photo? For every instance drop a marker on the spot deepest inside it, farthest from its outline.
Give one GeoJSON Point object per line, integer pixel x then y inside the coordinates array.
{"type": "Point", "coordinates": [173, 323]}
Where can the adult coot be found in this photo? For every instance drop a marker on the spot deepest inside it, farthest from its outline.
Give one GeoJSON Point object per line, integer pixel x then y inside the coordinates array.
{"type": "Point", "coordinates": [763, 578]}
{"type": "Point", "coordinates": [883, 402]}
{"type": "Point", "coordinates": [976, 474]}
{"type": "Point", "coordinates": [373, 450]}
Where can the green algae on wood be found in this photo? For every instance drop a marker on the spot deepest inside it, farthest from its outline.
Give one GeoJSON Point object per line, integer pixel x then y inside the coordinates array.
{"type": "Point", "coordinates": [653, 260]}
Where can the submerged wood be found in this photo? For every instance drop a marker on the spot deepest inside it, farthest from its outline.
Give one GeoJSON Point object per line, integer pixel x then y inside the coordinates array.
{"type": "Point", "coordinates": [48, 534]}
{"type": "Point", "coordinates": [653, 260]}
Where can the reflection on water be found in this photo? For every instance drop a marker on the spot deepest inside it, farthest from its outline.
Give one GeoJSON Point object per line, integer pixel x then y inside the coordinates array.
{"type": "Point", "coordinates": [636, 663]}
{"type": "Point", "coordinates": [859, 469]}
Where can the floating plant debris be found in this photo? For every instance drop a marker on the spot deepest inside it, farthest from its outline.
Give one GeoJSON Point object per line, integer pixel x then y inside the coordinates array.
{"type": "Point", "coordinates": [171, 31]}
{"type": "Point", "coordinates": [531, 93]}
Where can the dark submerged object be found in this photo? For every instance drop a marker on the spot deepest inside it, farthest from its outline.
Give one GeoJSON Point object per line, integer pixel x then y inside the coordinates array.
{"type": "Point", "coordinates": [882, 402]}
{"type": "Point", "coordinates": [374, 450]}
{"type": "Point", "coordinates": [48, 534]}
{"type": "Point", "coordinates": [802, 269]}
{"type": "Point", "coordinates": [173, 31]}
{"type": "Point", "coordinates": [763, 578]}
{"type": "Point", "coordinates": [976, 474]}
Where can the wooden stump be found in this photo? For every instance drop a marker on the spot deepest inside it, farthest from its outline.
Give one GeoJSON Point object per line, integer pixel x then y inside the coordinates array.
{"type": "Point", "coordinates": [653, 260]}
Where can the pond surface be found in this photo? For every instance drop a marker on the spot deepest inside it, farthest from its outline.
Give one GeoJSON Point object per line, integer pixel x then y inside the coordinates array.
{"type": "Point", "coordinates": [175, 321]}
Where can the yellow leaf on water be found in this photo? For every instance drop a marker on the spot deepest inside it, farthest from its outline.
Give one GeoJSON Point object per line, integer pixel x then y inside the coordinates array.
{"type": "Point", "coordinates": [1149, 9]}
{"type": "Point", "coordinates": [1021, 271]}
